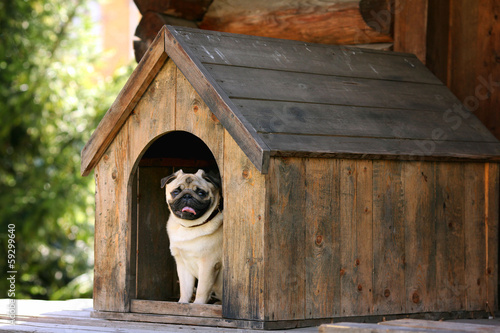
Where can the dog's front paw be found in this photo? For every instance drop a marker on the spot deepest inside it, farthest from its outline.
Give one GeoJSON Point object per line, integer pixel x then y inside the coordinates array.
{"type": "Point", "coordinates": [183, 300]}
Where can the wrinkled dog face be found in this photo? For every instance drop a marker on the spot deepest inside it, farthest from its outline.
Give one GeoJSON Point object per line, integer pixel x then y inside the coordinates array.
{"type": "Point", "coordinates": [189, 196]}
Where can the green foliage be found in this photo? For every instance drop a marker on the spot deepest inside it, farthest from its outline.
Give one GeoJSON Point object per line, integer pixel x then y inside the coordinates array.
{"type": "Point", "coordinates": [51, 98]}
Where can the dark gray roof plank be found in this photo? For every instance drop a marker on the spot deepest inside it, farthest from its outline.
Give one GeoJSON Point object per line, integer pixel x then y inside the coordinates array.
{"type": "Point", "coordinates": [376, 148]}
{"type": "Point", "coordinates": [251, 83]}
{"type": "Point", "coordinates": [350, 121]}
{"type": "Point", "coordinates": [270, 53]}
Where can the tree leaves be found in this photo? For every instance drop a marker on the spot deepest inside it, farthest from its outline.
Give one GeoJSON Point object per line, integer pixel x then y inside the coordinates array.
{"type": "Point", "coordinates": [51, 98]}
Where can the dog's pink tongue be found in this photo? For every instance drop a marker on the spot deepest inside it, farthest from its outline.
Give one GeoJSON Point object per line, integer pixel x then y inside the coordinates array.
{"type": "Point", "coordinates": [189, 210]}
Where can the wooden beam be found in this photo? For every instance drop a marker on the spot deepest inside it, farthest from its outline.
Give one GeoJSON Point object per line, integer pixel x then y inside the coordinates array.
{"type": "Point", "coordinates": [463, 51]}
{"type": "Point", "coordinates": [186, 9]}
{"type": "Point", "coordinates": [340, 22]}
{"type": "Point", "coordinates": [149, 26]}
{"type": "Point", "coordinates": [410, 27]}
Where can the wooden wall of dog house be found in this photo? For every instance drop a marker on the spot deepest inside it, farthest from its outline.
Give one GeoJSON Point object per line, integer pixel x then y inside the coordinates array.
{"type": "Point", "coordinates": [110, 263]}
{"type": "Point", "coordinates": [420, 246]}
{"type": "Point", "coordinates": [245, 216]}
{"type": "Point", "coordinates": [154, 115]}
{"type": "Point", "coordinates": [355, 238]}
{"type": "Point", "coordinates": [393, 237]}
{"type": "Point", "coordinates": [193, 115]}
{"type": "Point", "coordinates": [112, 287]}
{"type": "Point", "coordinates": [492, 179]}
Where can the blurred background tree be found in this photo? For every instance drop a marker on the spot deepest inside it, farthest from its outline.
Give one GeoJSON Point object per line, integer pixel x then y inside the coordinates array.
{"type": "Point", "coordinates": [51, 99]}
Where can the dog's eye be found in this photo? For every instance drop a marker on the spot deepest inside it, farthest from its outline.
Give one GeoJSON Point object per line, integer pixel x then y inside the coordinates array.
{"type": "Point", "coordinates": [176, 192]}
{"type": "Point", "coordinates": [201, 193]}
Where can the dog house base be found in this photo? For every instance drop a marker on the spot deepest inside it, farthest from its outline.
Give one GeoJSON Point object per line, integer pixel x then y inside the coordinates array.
{"type": "Point", "coordinates": [206, 315]}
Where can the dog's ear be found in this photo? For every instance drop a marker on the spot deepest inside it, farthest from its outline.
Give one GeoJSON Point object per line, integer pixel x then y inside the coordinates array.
{"type": "Point", "coordinates": [213, 178]}
{"type": "Point", "coordinates": [169, 179]}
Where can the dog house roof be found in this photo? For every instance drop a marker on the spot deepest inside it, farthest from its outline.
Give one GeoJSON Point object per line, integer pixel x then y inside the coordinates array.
{"type": "Point", "coordinates": [289, 98]}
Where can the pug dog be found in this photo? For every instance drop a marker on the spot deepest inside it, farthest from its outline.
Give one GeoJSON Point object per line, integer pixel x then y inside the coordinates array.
{"type": "Point", "coordinates": [195, 232]}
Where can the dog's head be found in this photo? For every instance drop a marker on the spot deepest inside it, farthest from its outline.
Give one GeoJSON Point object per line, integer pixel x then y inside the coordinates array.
{"type": "Point", "coordinates": [191, 195]}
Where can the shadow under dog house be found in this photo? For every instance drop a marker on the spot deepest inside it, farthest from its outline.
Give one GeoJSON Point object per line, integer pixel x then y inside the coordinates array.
{"type": "Point", "coordinates": [355, 184]}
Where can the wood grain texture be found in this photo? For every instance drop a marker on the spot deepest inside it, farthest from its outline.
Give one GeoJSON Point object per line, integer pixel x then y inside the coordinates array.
{"type": "Point", "coordinates": [355, 147]}
{"type": "Point", "coordinates": [450, 248]}
{"type": "Point", "coordinates": [338, 22]}
{"type": "Point", "coordinates": [475, 235]}
{"type": "Point", "coordinates": [388, 237]}
{"type": "Point", "coordinates": [410, 27]}
{"type": "Point", "coordinates": [462, 51]}
{"type": "Point", "coordinates": [240, 82]}
{"type": "Point", "coordinates": [189, 10]}
{"type": "Point", "coordinates": [420, 236]}
{"type": "Point", "coordinates": [275, 54]}
{"type": "Point", "coordinates": [244, 221]}
{"type": "Point", "coordinates": [112, 261]}
{"type": "Point", "coordinates": [176, 309]}
{"type": "Point", "coordinates": [492, 181]}
{"type": "Point", "coordinates": [322, 243]}
{"type": "Point", "coordinates": [356, 242]}
{"type": "Point", "coordinates": [352, 121]}
{"type": "Point", "coordinates": [285, 232]}
{"type": "Point", "coordinates": [194, 116]}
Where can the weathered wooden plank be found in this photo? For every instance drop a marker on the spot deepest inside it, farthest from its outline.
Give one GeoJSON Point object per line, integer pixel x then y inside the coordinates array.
{"type": "Point", "coordinates": [243, 82]}
{"type": "Point", "coordinates": [349, 327]}
{"type": "Point", "coordinates": [244, 218]}
{"type": "Point", "coordinates": [487, 69]}
{"type": "Point", "coordinates": [235, 50]}
{"type": "Point", "coordinates": [351, 121]}
{"type": "Point", "coordinates": [356, 253]}
{"type": "Point", "coordinates": [156, 271]}
{"type": "Point", "coordinates": [118, 113]}
{"type": "Point", "coordinates": [194, 116]}
{"type": "Point", "coordinates": [462, 44]}
{"type": "Point", "coordinates": [176, 309]}
{"type": "Point", "coordinates": [132, 290]}
{"type": "Point", "coordinates": [375, 148]}
{"type": "Point", "coordinates": [338, 22]}
{"type": "Point", "coordinates": [152, 116]}
{"type": "Point", "coordinates": [420, 236]}
{"type": "Point", "coordinates": [189, 10]}
{"type": "Point", "coordinates": [165, 319]}
{"type": "Point", "coordinates": [492, 179]}
{"type": "Point", "coordinates": [322, 245]}
{"type": "Point", "coordinates": [474, 236]}
{"type": "Point", "coordinates": [410, 27]}
{"type": "Point", "coordinates": [388, 238]}
{"type": "Point", "coordinates": [450, 247]}
{"type": "Point", "coordinates": [217, 101]}
{"type": "Point", "coordinates": [285, 231]}
{"type": "Point", "coordinates": [151, 22]}
{"type": "Point", "coordinates": [112, 235]}
{"type": "Point", "coordinates": [443, 326]}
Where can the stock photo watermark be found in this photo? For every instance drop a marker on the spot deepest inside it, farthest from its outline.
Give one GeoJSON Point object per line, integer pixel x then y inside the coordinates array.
{"type": "Point", "coordinates": [456, 115]}
{"type": "Point", "coordinates": [11, 272]}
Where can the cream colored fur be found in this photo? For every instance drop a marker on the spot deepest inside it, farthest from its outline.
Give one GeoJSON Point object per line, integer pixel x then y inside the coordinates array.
{"type": "Point", "coordinates": [197, 249]}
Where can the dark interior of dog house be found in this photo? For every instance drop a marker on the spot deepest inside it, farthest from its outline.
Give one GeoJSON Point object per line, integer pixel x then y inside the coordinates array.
{"type": "Point", "coordinates": [154, 272]}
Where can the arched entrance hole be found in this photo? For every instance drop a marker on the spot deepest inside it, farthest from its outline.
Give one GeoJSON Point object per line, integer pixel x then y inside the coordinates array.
{"type": "Point", "coordinates": [153, 273]}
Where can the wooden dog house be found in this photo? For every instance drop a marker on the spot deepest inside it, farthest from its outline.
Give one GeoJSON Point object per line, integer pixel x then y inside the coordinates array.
{"type": "Point", "coordinates": [355, 184]}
